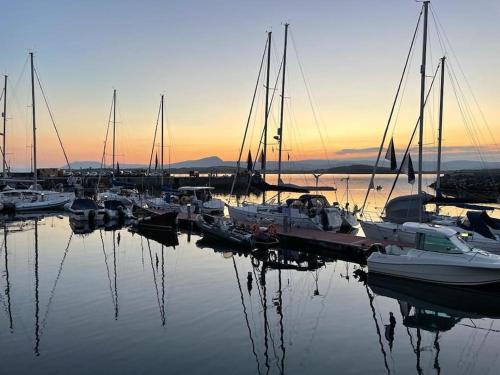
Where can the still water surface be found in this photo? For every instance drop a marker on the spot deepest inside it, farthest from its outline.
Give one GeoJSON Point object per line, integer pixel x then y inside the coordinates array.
{"type": "Point", "coordinates": [111, 301]}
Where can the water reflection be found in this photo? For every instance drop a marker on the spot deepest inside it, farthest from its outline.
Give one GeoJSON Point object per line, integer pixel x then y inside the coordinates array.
{"type": "Point", "coordinates": [280, 311]}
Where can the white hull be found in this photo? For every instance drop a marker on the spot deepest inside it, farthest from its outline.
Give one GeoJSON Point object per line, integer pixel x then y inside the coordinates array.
{"type": "Point", "coordinates": [266, 215]}
{"type": "Point", "coordinates": [441, 274]}
{"type": "Point", "coordinates": [41, 200]}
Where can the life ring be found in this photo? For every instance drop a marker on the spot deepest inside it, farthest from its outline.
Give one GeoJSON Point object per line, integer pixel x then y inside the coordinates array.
{"type": "Point", "coordinates": [272, 256]}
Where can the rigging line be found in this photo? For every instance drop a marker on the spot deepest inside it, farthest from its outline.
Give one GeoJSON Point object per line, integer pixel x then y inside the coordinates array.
{"type": "Point", "coordinates": [107, 269]}
{"type": "Point", "coordinates": [105, 143]}
{"type": "Point", "coordinates": [371, 183]}
{"type": "Point", "coordinates": [262, 134]}
{"type": "Point", "coordinates": [310, 98]}
{"type": "Point", "coordinates": [384, 354]}
{"type": "Point", "coordinates": [246, 315]}
{"type": "Point", "coordinates": [52, 119]}
{"type": "Point", "coordinates": [154, 277]}
{"type": "Point", "coordinates": [154, 139]}
{"type": "Point", "coordinates": [411, 140]}
{"type": "Point", "coordinates": [52, 292]}
{"type": "Point", "coordinates": [248, 121]}
{"type": "Point", "coordinates": [439, 25]}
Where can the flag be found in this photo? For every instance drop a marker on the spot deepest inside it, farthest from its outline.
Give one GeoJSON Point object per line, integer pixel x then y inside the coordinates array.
{"type": "Point", "coordinates": [391, 155]}
{"type": "Point", "coordinates": [156, 161]}
{"type": "Point", "coordinates": [288, 156]}
{"type": "Point", "coordinates": [407, 167]}
{"type": "Point", "coordinates": [249, 161]}
{"type": "Point", "coordinates": [262, 160]}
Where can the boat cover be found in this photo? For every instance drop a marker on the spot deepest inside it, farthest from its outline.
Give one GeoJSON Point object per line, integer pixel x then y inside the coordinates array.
{"type": "Point", "coordinates": [407, 208]}
{"type": "Point", "coordinates": [478, 224]}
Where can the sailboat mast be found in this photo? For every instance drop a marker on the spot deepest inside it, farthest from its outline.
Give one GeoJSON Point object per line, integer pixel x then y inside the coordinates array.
{"type": "Point", "coordinates": [440, 131]}
{"type": "Point", "coordinates": [35, 173]}
{"type": "Point", "coordinates": [4, 114]}
{"type": "Point", "coordinates": [114, 127]}
{"type": "Point", "coordinates": [266, 115]}
{"type": "Point", "coordinates": [422, 106]}
{"type": "Point", "coordinates": [280, 130]}
{"type": "Point", "coordinates": [161, 152]}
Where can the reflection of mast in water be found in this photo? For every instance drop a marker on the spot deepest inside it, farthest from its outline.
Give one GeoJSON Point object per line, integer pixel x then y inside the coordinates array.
{"type": "Point", "coordinates": [246, 316]}
{"type": "Point", "coordinates": [115, 276]}
{"type": "Point", "coordinates": [37, 309]}
{"type": "Point", "coordinates": [107, 270]}
{"type": "Point", "coordinates": [384, 354]}
{"type": "Point", "coordinates": [161, 306]}
{"type": "Point", "coordinates": [438, 349]}
{"type": "Point", "coordinates": [7, 288]}
{"type": "Point", "coordinates": [162, 287]}
{"type": "Point", "coordinates": [264, 307]}
{"type": "Point", "coordinates": [280, 313]}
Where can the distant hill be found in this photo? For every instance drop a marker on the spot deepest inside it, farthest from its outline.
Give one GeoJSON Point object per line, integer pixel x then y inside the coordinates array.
{"type": "Point", "coordinates": [340, 166]}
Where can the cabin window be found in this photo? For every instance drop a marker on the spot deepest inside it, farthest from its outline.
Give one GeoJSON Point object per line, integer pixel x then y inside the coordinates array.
{"type": "Point", "coordinates": [439, 244]}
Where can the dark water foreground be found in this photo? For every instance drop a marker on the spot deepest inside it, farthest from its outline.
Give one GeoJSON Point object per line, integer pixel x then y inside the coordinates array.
{"type": "Point", "coordinates": [114, 302]}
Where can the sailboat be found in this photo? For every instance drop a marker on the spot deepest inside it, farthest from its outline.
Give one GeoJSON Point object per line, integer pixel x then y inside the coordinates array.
{"type": "Point", "coordinates": [34, 198]}
{"type": "Point", "coordinates": [411, 208]}
{"type": "Point", "coordinates": [308, 211]}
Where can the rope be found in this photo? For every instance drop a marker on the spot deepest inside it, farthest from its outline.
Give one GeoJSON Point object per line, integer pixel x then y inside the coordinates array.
{"type": "Point", "coordinates": [154, 138]}
{"type": "Point", "coordinates": [52, 119]}
{"type": "Point", "coordinates": [248, 122]}
{"type": "Point", "coordinates": [104, 149]}
{"type": "Point", "coordinates": [371, 183]}
{"type": "Point", "coordinates": [411, 140]}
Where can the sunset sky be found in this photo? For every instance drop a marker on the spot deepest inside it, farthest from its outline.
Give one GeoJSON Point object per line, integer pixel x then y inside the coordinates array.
{"type": "Point", "coordinates": [204, 56]}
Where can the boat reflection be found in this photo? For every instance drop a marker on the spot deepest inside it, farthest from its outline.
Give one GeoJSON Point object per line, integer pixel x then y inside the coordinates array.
{"type": "Point", "coordinates": [432, 308]}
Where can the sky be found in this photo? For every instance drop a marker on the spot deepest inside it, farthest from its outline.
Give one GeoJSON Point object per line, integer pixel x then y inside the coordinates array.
{"type": "Point", "coordinates": [344, 62]}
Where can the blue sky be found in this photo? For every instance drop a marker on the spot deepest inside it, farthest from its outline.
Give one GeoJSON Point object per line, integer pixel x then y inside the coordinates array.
{"type": "Point", "coordinates": [204, 56]}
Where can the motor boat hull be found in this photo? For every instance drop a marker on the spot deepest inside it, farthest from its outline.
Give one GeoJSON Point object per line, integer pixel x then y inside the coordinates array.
{"type": "Point", "coordinates": [422, 268]}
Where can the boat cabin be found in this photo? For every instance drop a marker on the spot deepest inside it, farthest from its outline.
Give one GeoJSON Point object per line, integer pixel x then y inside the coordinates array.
{"type": "Point", "coordinates": [308, 201]}
{"type": "Point", "coordinates": [200, 193]}
{"type": "Point", "coordinates": [436, 238]}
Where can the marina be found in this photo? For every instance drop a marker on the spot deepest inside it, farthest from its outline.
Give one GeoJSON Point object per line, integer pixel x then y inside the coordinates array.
{"type": "Point", "coordinates": [213, 223]}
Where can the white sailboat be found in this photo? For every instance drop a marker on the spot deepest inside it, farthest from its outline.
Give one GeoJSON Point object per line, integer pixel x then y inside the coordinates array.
{"type": "Point", "coordinates": [412, 207]}
{"type": "Point", "coordinates": [34, 198]}
{"type": "Point", "coordinates": [307, 211]}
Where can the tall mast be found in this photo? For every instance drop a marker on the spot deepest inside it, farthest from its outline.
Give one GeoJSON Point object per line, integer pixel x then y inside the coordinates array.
{"type": "Point", "coordinates": [35, 173]}
{"type": "Point", "coordinates": [280, 130]}
{"type": "Point", "coordinates": [4, 127]}
{"type": "Point", "coordinates": [440, 131]}
{"type": "Point", "coordinates": [161, 152]}
{"type": "Point", "coordinates": [114, 127]}
{"type": "Point", "coordinates": [266, 115]}
{"type": "Point", "coordinates": [422, 105]}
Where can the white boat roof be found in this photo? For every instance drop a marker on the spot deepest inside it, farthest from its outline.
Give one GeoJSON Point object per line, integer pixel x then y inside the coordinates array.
{"type": "Point", "coordinates": [429, 228]}
{"type": "Point", "coordinates": [196, 188]}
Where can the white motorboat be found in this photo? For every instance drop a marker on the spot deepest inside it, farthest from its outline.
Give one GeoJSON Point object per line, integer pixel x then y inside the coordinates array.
{"type": "Point", "coordinates": [32, 200]}
{"type": "Point", "coordinates": [199, 197]}
{"type": "Point", "coordinates": [85, 209]}
{"type": "Point", "coordinates": [438, 255]}
{"type": "Point", "coordinates": [405, 209]}
{"type": "Point", "coordinates": [308, 211]}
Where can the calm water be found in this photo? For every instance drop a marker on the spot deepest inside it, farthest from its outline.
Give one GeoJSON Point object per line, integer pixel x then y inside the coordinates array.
{"type": "Point", "coordinates": [114, 302]}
